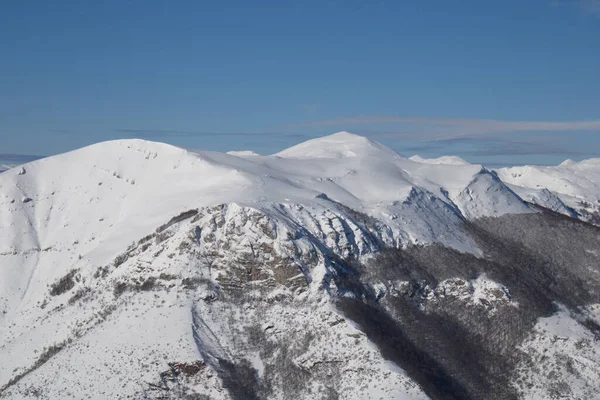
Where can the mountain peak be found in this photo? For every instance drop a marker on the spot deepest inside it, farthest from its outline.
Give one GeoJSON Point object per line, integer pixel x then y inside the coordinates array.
{"type": "Point", "coordinates": [338, 145]}
{"type": "Point", "coordinates": [567, 163]}
{"type": "Point", "coordinates": [346, 135]}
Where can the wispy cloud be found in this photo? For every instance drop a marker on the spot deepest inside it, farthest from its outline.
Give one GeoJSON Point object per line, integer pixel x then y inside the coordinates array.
{"type": "Point", "coordinates": [163, 133]}
{"type": "Point", "coordinates": [591, 7]}
{"type": "Point", "coordinates": [157, 133]}
{"type": "Point", "coordinates": [446, 128]}
{"type": "Point", "coordinates": [484, 147]}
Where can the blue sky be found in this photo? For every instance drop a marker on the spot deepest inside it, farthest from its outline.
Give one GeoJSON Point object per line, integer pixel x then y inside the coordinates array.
{"type": "Point", "coordinates": [508, 81]}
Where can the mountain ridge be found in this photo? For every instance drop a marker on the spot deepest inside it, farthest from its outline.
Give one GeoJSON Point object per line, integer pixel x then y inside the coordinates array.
{"type": "Point", "coordinates": [166, 272]}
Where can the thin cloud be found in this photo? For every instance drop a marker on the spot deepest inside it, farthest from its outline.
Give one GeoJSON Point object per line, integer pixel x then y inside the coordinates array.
{"type": "Point", "coordinates": [454, 127]}
{"type": "Point", "coordinates": [156, 133]}
{"type": "Point", "coordinates": [161, 133]}
{"type": "Point", "coordinates": [487, 147]}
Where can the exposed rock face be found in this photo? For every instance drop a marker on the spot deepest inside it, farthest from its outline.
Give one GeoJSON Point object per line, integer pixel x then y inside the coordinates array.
{"type": "Point", "coordinates": [226, 302]}
{"type": "Point", "coordinates": [257, 320]}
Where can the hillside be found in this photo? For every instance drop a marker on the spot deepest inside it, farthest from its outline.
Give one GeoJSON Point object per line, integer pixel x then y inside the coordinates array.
{"type": "Point", "coordinates": [336, 268]}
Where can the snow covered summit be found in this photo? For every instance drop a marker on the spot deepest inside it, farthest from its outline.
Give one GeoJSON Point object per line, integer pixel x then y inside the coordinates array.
{"type": "Point", "coordinates": [339, 145]}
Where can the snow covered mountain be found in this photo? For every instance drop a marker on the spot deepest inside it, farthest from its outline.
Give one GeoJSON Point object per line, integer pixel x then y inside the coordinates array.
{"type": "Point", "coordinates": [336, 268]}
{"type": "Point", "coordinates": [571, 188]}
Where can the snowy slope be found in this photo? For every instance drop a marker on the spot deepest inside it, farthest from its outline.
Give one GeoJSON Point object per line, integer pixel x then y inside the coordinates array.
{"type": "Point", "coordinates": [487, 195]}
{"type": "Point", "coordinates": [131, 317]}
{"type": "Point", "coordinates": [448, 160]}
{"type": "Point", "coordinates": [122, 257]}
{"type": "Point", "coordinates": [576, 184]}
{"type": "Point", "coordinates": [562, 349]}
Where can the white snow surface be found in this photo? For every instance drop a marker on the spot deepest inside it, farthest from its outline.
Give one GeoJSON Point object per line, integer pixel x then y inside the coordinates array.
{"type": "Point", "coordinates": [448, 160]}
{"type": "Point", "coordinates": [343, 194]}
{"type": "Point", "coordinates": [575, 184]}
